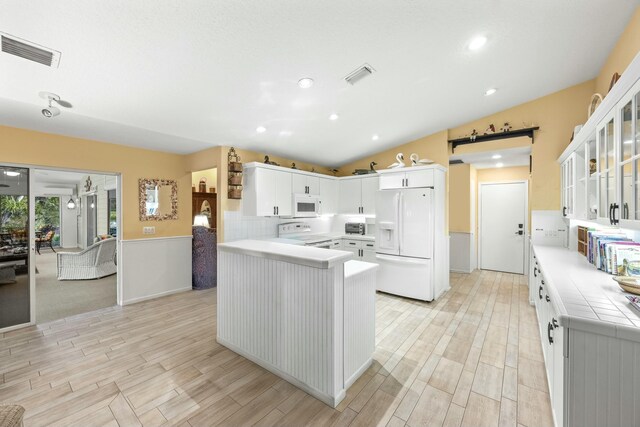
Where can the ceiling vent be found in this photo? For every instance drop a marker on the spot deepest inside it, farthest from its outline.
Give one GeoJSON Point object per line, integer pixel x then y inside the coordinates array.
{"type": "Point", "coordinates": [31, 51]}
{"type": "Point", "coordinates": [359, 74]}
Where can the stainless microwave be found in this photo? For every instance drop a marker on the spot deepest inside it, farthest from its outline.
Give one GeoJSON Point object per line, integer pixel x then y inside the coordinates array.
{"type": "Point", "coordinates": [306, 205]}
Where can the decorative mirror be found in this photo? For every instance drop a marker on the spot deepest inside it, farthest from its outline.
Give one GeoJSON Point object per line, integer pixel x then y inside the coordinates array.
{"type": "Point", "coordinates": [158, 199]}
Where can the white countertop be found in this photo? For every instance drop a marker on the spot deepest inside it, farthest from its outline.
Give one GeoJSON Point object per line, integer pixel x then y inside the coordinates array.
{"type": "Point", "coordinates": [585, 297]}
{"type": "Point", "coordinates": [364, 237]}
{"type": "Point", "coordinates": [303, 255]}
{"type": "Point", "coordinates": [355, 267]}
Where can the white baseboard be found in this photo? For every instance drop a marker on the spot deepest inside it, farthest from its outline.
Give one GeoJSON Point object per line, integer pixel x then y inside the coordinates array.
{"type": "Point", "coordinates": [158, 295]}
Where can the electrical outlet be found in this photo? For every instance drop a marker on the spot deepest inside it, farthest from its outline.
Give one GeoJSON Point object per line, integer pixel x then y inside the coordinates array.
{"type": "Point", "coordinates": [148, 230]}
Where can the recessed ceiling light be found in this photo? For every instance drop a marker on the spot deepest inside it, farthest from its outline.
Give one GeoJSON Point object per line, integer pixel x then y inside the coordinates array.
{"type": "Point", "coordinates": [333, 116]}
{"type": "Point", "coordinates": [305, 83]}
{"type": "Point", "coordinates": [490, 91]}
{"type": "Point", "coordinates": [375, 137]}
{"type": "Point", "coordinates": [11, 173]}
{"type": "Point", "coordinates": [496, 156]}
{"type": "Point", "coordinates": [477, 42]}
{"type": "Point", "coordinates": [261, 129]}
{"type": "Point", "coordinates": [499, 164]}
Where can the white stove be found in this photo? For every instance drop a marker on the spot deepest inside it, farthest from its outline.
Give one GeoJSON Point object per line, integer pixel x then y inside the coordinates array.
{"type": "Point", "coordinates": [299, 231]}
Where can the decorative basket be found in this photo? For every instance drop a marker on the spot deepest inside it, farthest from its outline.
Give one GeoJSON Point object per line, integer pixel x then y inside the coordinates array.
{"type": "Point", "coordinates": [235, 180]}
{"type": "Point", "coordinates": [235, 193]}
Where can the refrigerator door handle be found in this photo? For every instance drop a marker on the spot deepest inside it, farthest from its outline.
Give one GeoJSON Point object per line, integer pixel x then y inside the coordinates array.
{"type": "Point", "coordinates": [400, 259]}
{"type": "Point", "coordinates": [400, 225]}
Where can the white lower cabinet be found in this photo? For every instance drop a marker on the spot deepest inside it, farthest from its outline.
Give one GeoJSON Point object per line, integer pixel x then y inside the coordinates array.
{"type": "Point", "coordinates": [364, 250]}
{"type": "Point", "coordinates": [552, 337]}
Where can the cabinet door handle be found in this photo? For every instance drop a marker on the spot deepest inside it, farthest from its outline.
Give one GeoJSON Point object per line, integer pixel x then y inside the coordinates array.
{"type": "Point", "coordinates": [535, 272]}
{"type": "Point", "coordinates": [406, 181]}
{"type": "Point", "coordinates": [540, 292]}
{"type": "Point", "coordinates": [546, 297]}
{"type": "Point", "coordinates": [613, 216]}
{"type": "Point", "coordinates": [277, 210]}
{"type": "Point", "coordinates": [274, 210]}
{"type": "Point", "coordinates": [610, 209]}
{"type": "Point", "coordinates": [549, 329]}
{"type": "Point", "coordinates": [564, 211]}
{"type": "Point", "coordinates": [554, 322]}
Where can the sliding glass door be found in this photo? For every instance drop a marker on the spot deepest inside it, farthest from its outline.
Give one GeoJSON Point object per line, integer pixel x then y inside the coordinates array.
{"type": "Point", "coordinates": [15, 285]}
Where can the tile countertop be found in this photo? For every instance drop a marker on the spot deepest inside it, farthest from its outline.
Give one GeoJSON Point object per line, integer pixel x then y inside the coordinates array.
{"type": "Point", "coordinates": [364, 237]}
{"type": "Point", "coordinates": [294, 254]}
{"type": "Point", "coordinates": [584, 297]}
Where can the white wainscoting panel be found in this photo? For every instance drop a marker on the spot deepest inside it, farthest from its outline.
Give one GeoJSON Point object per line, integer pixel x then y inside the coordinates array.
{"type": "Point", "coordinates": [462, 252]}
{"type": "Point", "coordinates": [604, 380]}
{"type": "Point", "coordinates": [359, 324]}
{"type": "Point", "coordinates": [287, 318]}
{"type": "Point", "coordinates": [154, 267]}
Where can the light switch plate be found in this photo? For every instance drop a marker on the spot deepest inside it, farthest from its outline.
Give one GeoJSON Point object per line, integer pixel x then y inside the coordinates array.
{"type": "Point", "coordinates": [148, 230]}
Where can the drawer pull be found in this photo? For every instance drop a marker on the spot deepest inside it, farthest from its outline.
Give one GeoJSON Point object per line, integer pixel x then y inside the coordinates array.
{"type": "Point", "coordinates": [547, 298]}
{"type": "Point", "coordinates": [549, 329]}
{"type": "Point", "coordinates": [554, 322]}
{"type": "Point", "coordinates": [540, 292]}
{"type": "Point", "coordinates": [535, 270]}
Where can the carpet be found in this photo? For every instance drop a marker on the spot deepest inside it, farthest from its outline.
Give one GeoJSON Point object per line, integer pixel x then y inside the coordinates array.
{"type": "Point", "coordinates": [57, 299]}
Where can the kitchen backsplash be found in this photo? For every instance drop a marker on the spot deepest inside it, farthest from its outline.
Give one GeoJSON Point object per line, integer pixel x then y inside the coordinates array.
{"type": "Point", "coordinates": [238, 227]}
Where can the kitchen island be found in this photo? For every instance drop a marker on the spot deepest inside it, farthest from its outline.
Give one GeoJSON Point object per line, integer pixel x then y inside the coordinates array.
{"type": "Point", "coordinates": [306, 314]}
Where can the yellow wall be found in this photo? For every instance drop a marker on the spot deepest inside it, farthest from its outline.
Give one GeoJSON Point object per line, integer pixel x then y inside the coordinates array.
{"type": "Point", "coordinates": [556, 114]}
{"type": "Point", "coordinates": [621, 55]}
{"type": "Point", "coordinates": [211, 175]}
{"type": "Point", "coordinates": [460, 198]}
{"type": "Point", "coordinates": [41, 149]}
{"type": "Point", "coordinates": [517, 173]}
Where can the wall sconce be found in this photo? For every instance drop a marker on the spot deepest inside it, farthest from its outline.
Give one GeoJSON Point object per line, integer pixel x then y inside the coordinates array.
{"type": "Point", "coordinates": [201, 220]}
{"type": "Point", "coordinates": [71, 204]}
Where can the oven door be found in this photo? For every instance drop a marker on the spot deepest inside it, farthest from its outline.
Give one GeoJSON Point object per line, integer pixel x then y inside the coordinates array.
{"type": "Point", "coordinates": [305, 205]}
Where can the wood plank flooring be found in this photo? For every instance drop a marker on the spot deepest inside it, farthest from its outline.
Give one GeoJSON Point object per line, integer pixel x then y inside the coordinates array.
{"type": "Point", "coordinates": [472, 358]}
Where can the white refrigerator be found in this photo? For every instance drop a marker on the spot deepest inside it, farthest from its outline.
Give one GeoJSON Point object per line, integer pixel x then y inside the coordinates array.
{"type": "Point", "coordinates": [406, 242]}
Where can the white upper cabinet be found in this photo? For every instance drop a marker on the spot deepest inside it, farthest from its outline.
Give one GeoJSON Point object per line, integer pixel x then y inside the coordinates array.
{"type": "Point", "coordinates": [305, 184]}
{"type": "Point", "coordinates": [573, 184]}
{"type": "Point", "coordinates": [370, 185]}
{"type": "Point", "coordinates": [267, 192]}
{"type": "Point", "coordinates": [606, 147]}
{"type": "Point", "coordinates": [358, 194]}
{"type": "Point", "coordinates": [406, 179]}
{"type": "Point", "coordinates": [589, 194]}
{"type": "Point", "coordinates": [328, 195]}
{"type": "Point", "coordinates": [350, 196]}
{"type": "Point", "coordinates": [392, 180]}
{"type": "Point", "coordinates": [628, 112]}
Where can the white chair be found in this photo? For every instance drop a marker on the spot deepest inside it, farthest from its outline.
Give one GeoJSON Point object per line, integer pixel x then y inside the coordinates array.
{"type": "Point", "coordinates": [97, 261]}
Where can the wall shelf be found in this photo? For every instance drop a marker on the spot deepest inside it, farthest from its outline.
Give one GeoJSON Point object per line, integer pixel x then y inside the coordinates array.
{"type": "Point", "coordinates": [491, 137]}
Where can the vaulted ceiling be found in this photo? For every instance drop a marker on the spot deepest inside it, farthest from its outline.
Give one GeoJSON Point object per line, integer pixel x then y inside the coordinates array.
{"type": "Point", "coordinates": [181, 76]}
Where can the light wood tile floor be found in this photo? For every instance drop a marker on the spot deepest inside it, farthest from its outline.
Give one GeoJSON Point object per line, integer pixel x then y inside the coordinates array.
{"type": "Point", "coordinates": [472, 358]}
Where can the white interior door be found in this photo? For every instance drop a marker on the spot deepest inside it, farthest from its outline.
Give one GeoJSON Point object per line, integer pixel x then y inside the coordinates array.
{"type": "Point", "coordinates": [503, 217]}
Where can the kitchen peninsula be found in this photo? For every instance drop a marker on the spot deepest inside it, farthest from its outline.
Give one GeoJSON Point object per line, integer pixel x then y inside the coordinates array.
{"type": "Point", "coordinates": [306, 314]}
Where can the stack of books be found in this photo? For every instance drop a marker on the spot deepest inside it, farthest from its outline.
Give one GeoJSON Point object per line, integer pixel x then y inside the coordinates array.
{"type": "Point", "coordinates": [611, 251]}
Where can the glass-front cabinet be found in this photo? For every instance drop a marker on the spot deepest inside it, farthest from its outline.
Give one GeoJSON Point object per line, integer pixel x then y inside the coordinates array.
{"type": "Point", "coordinates": [628, 111]}
{"type": "Point", "coordinates": [590, 193]}
{"type": "Point", "coordinates": [572, 187]}
{"type": "Point", "coordinates": [608, 206]}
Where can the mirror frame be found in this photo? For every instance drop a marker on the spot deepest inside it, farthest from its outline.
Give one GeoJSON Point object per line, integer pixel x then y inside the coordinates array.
{"type": "Point", "coordinates": [142, 199]}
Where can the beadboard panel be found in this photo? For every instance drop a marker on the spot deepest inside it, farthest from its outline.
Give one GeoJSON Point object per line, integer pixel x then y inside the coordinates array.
{"type": "Point", "coordinates": [154, 267]}
{"type": "Point", "coordinates": [359, 324]}
{"type": "Point", "coordinates": [604, 381]}
{"type": "Point", "coordinates": [286, 317]}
